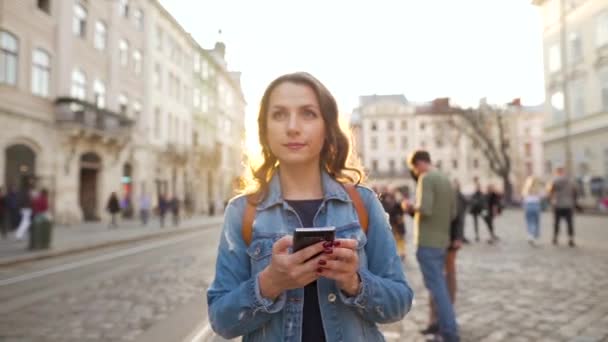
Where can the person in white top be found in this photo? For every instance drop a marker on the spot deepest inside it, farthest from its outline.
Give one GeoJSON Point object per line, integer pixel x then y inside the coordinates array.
{"type": "Point", "coordinates": [532, 196]}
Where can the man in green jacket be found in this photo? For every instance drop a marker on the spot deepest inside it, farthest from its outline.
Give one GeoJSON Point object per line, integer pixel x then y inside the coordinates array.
{"type": "Point", "coordinates": [434, 210]}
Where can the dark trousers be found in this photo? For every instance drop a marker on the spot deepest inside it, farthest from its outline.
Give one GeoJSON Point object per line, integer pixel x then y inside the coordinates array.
{"type": "Point", "coordinates": [567, 214]}
{"type": "Point", "coordinates": [4, 224]}
{"type": "Point", "coordinates": [489, 220]}
{"type": "Point", "coordinates": [476, 224]}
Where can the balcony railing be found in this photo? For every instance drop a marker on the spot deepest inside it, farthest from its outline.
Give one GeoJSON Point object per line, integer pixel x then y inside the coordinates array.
{"type": "Point", "coordinates": [74, 112]}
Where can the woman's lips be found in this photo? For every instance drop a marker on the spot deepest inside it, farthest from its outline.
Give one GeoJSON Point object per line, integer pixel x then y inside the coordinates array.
{"type": "Point", "coordinates": [294, 146]}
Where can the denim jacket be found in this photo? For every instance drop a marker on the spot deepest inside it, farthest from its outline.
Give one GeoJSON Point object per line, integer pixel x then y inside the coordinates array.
{"type": "Point", "coordinates": [236, 307]}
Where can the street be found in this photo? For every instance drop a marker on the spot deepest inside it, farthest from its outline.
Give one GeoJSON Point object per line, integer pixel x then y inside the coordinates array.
{"type": "Point", "coordinates": [155, 290]}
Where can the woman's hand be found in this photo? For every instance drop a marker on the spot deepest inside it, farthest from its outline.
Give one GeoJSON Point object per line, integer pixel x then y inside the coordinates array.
{"type": "Point", "coordinates": [290, 271]}
{"type": "Point", "coordinates": [342, 265]}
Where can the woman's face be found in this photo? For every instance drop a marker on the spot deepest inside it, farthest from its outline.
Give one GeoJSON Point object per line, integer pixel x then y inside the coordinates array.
{"type": "Point", "coordinates": [295, 125]}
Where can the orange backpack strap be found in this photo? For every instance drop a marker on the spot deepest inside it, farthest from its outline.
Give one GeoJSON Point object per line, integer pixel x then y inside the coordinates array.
{"type": "Point", "coordinates": [248, 217]}
{"type": "Point", "coordinates": [359, 205]}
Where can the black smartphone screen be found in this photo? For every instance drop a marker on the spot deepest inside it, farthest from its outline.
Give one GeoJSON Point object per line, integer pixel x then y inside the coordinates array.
{"type": "Point", "coordinates": [304, 237]}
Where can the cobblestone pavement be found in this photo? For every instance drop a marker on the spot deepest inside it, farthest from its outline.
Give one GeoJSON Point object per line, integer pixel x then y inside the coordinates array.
{"type": "Point", "coordinates": [515, 292]}
{"type": "Point", "coordinates": [508, 292]}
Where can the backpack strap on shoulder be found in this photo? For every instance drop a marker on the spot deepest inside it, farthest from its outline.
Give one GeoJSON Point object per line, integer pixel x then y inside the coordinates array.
{"type": "Point", "coordinates": [354, 195]}
{"type": "Point", "coordinates": [248, 217]}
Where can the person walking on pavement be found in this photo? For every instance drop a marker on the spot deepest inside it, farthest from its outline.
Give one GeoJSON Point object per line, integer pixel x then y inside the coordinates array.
{"type": "Point", "coordinates": [563, 195]}
{"type": "Point", "coordinates": [113, 207]}
{"type": "Point", "coordinates": [24, 202]}
{"type": "Point", "coordinates": [332, 290]}
{"type": "Point", "coordinates": [491, 210]}
{"type": "Point", "coordinates": [532, 196]}
{"type": "Point", "coordinates": [434, 210]}
{"type": "Point", "coordinates": [174, 205]}
{"type": "Point", "coordinates": [476, 207]}
{"type": "Point", "coordinates": [163, 208]}
{"type": "Point", "coordinates": [144, 208]}
{"type": "Point", "coordinates": [456, 240]}
{"type": "Point", "coordinates": [3, 214]}
{"type": "Point", "coordinates": [395, 214]}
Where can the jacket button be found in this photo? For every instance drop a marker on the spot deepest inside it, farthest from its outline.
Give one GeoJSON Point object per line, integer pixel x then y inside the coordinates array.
{"type": "Point", "coordinates": [257, 251]}
{"type": "Point", "coordinates": [331, 298]}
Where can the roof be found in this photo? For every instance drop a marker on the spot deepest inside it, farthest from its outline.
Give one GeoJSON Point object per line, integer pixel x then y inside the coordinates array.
{"type": "Point", "coordinates": [369, 99]}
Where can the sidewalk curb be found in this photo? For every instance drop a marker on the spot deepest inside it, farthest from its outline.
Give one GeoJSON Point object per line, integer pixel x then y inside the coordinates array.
{"type": "Point", "coordinates": [94, 246]}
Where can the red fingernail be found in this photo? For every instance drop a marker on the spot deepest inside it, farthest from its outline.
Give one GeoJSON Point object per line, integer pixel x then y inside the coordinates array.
{"type": "Point", "coordinates": [327, 244]}
{"type": "Point", "coordinates": [322, 262]}
{"type": "Point", "coordinates": [319, 270]}
{"type": "Point", "coordinates": [328, 251]}
{"type": "Point", "coordinates": [336, 243]}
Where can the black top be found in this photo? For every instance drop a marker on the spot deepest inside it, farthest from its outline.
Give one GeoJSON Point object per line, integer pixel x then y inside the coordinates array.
{"type": "Point", "coordinates": [312, 325]}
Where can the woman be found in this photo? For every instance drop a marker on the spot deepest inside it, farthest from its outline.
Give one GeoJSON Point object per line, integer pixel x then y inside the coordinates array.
{"type": "Point", "coordinates": [265, 293]}
{"type": "Point", "coordinates": [491, 210]}
{"type": "Point", "coordinates": [113, 207]}
{"type": "Point", "coordinates": [532, 197]}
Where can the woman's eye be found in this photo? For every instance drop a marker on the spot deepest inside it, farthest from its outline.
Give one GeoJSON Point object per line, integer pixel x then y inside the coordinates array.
{"type": "Point", "coordinates": [310, 114]}
{"type": "Point", "coordinates": [278, 115]}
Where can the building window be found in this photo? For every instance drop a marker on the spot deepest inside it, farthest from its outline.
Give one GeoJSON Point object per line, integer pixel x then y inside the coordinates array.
{"type": "Point", "coordinates": [601, 29]}
{"type": "Point", "coordinates": [403, 142]}
{"type": "Point", "coordinates": [196, 98]}
{"type": "Point", "coordinates": [403, 125]}
{"type": "Point", "coordinates": [205, 70]}
{"type": "Point", "coordinates": [576, 48]}
{"type": "Point", "coordinates": [204, 104]}
{"type": "Point", "coordinates": [123, 52]}
{"type": "Point", "coordinates": [374, 126]}
{"type": "Point", "coordinates": [374, 143]}
{"type": "Point", "coordinates": [391, 166]}
{"type": "Point", "coordinates": [548, 167]}
{"type": "Point", "coordinates": [557, 106]}
{"type": "Point", "coordinates": [422, 126]}
{"type": "Point", "coordinates": [438, 164]}
{"type": "Point", "coordinates": [475, 163]}
{"type": "Point", "coordinates": [391, 142]}
{"type": "Point", "coordinates": [157, 77]}
{"type": "Point", "coordinates": [123, 8]}
{"type": "Point", "coordinates": [439, 143]}
{"type": "Point", "coordinates": [577, 94]}
{"type": "Point", "coordinates": [157, 122]}
{"type": "Point", "coordinates": [79, 24]}
{"type": "Point", "coordinates": [529, 170]}
{"type": "Point", "coordinates": [138, 17]}
{"type": "Point", "coordinates": [123, 104]}
{"type": "Point", "coordinates": [136, 110]}
{"type": "Point", "coordinates": [101, 36]}
{"type": "Point", "coordinates": [528, 149]}
{"type": "Point", "coordinates": [159, 38]}
{"type": "Point", "coordinates": [79, 85]}
{"type": "Point", "coordinates": [374, 165]}
{"type": "Point", "coordinates": [454, 164]}
{"type": "Point", "coordinates": [555, 60]}
{"type": "Point", "coordinates": [41, 72]}
{"type": "Point", "coordinates": [603, 74]}
{"type": "Point", "coordinates": [9, 50]}
{"type": "Point", "coordinates": [606, 162]}
{"type": "Point", "coordinates": [45, 6]}
{"type": "Point", "coordinates": [390, 125]}
{"type": "Point", "coordinates": [137, 65]}
{"type": "Point", "coordinates": [423, 144]}
{"type": "Point", "coordinates": [99, 94]}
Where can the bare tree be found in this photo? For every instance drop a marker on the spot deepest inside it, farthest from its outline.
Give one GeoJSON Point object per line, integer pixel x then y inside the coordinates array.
{"type": "Point", "coordinates": [487, 127]}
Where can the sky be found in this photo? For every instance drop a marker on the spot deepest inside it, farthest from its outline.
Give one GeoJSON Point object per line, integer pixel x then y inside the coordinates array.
{"type": "Point", "coordinates": [465, 49]}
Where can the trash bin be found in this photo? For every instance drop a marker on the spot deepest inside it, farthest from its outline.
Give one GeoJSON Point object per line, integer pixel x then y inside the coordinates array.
{"type": "Point", "coordinates": [40, 233]}
{"type": "Point", "coordinates": [34, 235]}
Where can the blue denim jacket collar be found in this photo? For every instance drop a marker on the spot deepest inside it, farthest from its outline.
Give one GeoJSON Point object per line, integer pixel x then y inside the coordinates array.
{"type": "Point", "coordinates": [332, 189]}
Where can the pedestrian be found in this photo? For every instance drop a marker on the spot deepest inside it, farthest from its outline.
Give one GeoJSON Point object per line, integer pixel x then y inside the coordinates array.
{"type": "Point", "coordinates": [113, 207]}
{"type": "Point", "coordinates": [174, 205]}
{"type": "Point", "coordinates": [395, 216]}
{"type": "Point", "coordinates": [144, 208]}
{"type": "Point", "coordinates": [532, 196]}
{"type": "Point", "coordinates": [563, 195]}
{"type": "Point", "coordinates": [456, 240]}
{"type": "Point", "coordinates": [163, 207]}
{"type": "Point", "coordinates": [24, 203]}
{"type": "Point", "coordinates": [434, 210]}
{"type": "Point", "coordinates": [329, 291]}
{"type": "Point", "coordinates": [490, 211]}
{"type": "Point", "coordinates": [3, 214]}
{"type": "Point", "coordinates": [476, 207]}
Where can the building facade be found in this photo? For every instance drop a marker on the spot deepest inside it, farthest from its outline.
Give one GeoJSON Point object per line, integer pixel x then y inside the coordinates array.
{"type": "Point", "coordinates": [388, 128]}
{"type": "Point", "coordinates": [97, 97]}
{"type": "Point", "coordinates": [575, 43]}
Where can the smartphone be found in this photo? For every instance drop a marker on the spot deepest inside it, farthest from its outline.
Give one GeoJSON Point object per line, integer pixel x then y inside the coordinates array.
{"type": "Point", "coordinates": [304, 237]}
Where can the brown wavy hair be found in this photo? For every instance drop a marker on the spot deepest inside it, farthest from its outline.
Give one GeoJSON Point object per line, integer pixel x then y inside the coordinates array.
{"type": "Point", "coordinates": [335, 159]}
